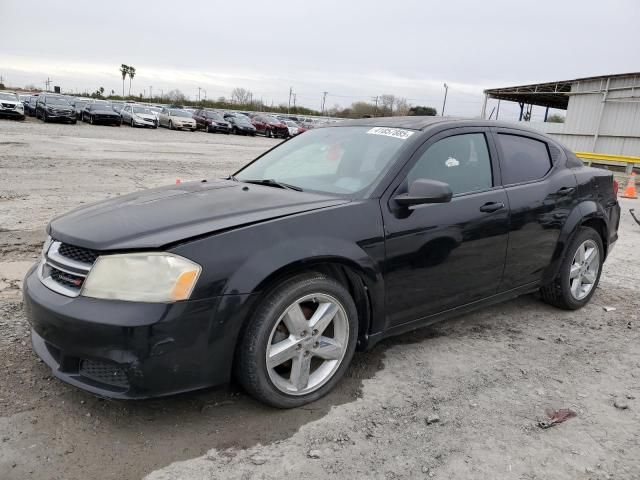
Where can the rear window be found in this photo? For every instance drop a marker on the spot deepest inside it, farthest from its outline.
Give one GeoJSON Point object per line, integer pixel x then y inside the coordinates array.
{"type": "Point", "coordinates": [523, 158]}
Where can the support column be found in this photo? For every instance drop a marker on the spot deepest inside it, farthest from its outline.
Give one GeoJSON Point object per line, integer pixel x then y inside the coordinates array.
{"type": "Point", "coordinates": [605, 94]}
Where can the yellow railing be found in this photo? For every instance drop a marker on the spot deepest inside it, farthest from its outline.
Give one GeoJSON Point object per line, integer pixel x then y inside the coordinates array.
{"type": "Point", "coordinates": [590, 156]}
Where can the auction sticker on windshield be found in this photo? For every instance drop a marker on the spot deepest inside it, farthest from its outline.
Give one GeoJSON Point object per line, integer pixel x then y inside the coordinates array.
{"type": "Point", "coordinates": [391, 132]}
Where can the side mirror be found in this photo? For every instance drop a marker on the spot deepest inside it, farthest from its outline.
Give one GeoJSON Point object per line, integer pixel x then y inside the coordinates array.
{"type": "Point", "coordinates": [423, 191]}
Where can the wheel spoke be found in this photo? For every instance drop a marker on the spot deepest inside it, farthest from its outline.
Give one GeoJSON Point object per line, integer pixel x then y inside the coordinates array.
{"type": "Point", "coordinates": [300, 370]}
{"type": "Point", "coordinates": [575, 271]}
{"type": "Point", "coordinates": [575, 286]}
{"type": "Point", "coordinates": [580, 254]}
{"type": "Point", "coordinates": [281, 352]}
{"type": "Point", "coordinates": [295, 320]}
{"type": "Point", "coordinates": [329, 349]}
{"type": "Point", "coordinates": [592, 257]}
{"type": "Point", "coordinates": [323, 316]}
{"type": "Point", "coordinates": [589, 277]}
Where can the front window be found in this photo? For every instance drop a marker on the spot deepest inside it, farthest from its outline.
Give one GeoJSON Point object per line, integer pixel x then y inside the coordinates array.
{"type": "Point", "coordinates": [57, 101]}
{"type": "Point", "coordinates": [462, 161]}
{"type": "Point", "coordinates": [338, 160]}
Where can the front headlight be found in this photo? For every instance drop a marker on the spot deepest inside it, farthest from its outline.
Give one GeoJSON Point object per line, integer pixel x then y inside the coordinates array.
{"type": "Point", "coordinates": [142, 277]}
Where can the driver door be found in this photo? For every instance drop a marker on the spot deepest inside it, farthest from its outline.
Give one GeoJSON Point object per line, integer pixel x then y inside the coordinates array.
{"type": "Point", "coordinates": [444, 255]}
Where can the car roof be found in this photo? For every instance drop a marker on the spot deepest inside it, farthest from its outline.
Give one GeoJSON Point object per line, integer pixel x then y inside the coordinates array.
{"type": "Point", "coordinates": [426, 122]}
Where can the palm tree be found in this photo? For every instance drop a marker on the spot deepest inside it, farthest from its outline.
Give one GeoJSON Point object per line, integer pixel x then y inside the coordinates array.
{"type": "Point", "coordinates": [124, 70]}
{"type": "Point", "coordinates": [132, 73]}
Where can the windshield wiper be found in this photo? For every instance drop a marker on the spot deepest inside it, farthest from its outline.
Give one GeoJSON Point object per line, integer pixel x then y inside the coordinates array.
{"type": "Point", "coordinates": [270, 182]}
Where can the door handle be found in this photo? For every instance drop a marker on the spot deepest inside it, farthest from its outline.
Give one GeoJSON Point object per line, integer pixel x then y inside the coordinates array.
{"type": "Point", "coordinates": [491, 207]}
{"type": "Point", "coordinates": [565, 191]}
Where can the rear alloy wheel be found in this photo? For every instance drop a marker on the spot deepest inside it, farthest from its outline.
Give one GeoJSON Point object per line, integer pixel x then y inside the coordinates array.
{"type": "Point", "coordinates": [579, 274]}
{"type": "Point", "coordinates": [299, 343]}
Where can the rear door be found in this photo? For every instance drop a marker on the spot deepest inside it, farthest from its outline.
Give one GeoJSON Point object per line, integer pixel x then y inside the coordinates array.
{"type": "Point", "coordinates": [541, 193]}
{"type": "Point", "coordinates": [441, 256]}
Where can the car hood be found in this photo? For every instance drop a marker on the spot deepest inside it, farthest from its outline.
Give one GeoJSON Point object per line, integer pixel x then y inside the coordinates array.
{"type": "Point", "coordinates": [161, 216]}
{"type": "Point", "coordinates": [182, 119]}
{"type": "Point", "coordinates": [146, 116]}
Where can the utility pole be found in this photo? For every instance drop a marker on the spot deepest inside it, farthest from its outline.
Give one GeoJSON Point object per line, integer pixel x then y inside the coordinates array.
{"type": "Point", "coordinates": [324, 98]}
{"type": "Point", "coordinates": [289, 105]}
{"type": "Point", "coordinates": [295, 95]}
{"type": "Point", "coordinates": [375, 99]}
{"type": "Point", "coordinates": [47, 83]}
{"type": "Point", "coordinates": [446, 90]}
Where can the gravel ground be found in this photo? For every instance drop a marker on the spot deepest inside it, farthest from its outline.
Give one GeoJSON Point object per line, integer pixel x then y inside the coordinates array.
{"type": "Point", "coordinates": [458, 400]}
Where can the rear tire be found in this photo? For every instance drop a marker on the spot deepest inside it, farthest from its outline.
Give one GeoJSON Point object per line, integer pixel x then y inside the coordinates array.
{"type": "Point", "coordinates": [579, 273]}
{"type": "Point", "coordinates": [319, 342]}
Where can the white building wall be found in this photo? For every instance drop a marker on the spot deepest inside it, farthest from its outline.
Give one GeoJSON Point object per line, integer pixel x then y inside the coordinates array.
{"type": "Point", "coordinates": [618, 128]}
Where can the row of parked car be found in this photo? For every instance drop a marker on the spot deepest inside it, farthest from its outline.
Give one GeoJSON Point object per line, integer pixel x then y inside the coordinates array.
{"type": "Point", "coordinates": [55, 107]}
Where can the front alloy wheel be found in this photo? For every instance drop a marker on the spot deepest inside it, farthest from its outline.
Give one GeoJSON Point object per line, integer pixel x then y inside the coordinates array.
{"type": "Point", "coordinates": [300, 358]}
{"type": "Point", "coordinates": [300, 341]}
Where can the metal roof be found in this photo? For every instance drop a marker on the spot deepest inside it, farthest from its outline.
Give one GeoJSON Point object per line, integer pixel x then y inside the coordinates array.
{"type": "Point", "coordinates": [550, 94]}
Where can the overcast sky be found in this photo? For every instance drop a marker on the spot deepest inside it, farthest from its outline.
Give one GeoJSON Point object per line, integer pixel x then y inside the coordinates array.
{"type": "Point", "coordinates": [352, 49]}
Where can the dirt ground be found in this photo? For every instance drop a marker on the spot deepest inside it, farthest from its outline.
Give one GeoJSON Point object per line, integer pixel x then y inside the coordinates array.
{"type": "Point", "coordinates": [459, 400]}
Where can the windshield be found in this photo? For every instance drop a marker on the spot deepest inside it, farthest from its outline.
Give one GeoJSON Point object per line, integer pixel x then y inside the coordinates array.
{"type": "Point", "coordinates": [342, 160]}
{"type": "Point", "coordinates": [141, 110]}
{"type": "Point", "coordinates": [242, 119]}
{"type": "Point", "coordinates": [180, 113]}
{"type": "Point", "coordinates": [57, 101]}
{"type": "Point", "coordinates": [215, 116]}
{"type": "Point", "coordinates": [8, 96]}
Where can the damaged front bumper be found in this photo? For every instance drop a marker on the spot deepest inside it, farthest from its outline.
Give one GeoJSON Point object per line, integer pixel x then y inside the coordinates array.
{"type": "Point", "coordinates": [130, 350]}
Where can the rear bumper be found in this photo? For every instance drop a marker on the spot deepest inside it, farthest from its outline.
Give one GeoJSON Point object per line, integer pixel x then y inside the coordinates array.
{"type": "Point", "coordinates": [133, 350]}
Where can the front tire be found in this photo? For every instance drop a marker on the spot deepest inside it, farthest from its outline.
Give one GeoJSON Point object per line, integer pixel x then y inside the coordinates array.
{"type": "Point", "coordinates": [579, 273]}
{"type": "Point", "coordinates": [299, 342]}
{"type": "Point", "coordinates": [170, 125]}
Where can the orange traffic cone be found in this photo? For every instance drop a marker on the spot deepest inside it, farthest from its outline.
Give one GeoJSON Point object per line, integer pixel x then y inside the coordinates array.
{"type": "Point", "coordinates": [630, 189]}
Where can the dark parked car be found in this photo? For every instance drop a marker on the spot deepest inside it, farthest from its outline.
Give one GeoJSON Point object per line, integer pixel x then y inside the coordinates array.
{"type": "Point", "coordinates": [30, 106]}
{"type": "Point", "coordinates": [329, 242]}
{"type": "Point", "coordinates": [54, 108]}
{"type": "Point", "coordinates": [79, 105]}
{"type": "Point", "coordinates": [211, 121]}
{"type": "Point", "coordinates": [240, 124]}
{"type": "Point", "coordinates": [270, 126]}
{"type": "Point", "coordinates": [101, 113]}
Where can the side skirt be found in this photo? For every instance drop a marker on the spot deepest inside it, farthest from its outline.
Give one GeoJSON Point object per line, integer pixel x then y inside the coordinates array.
{"type": "Point", "coordinates": [453, 312]}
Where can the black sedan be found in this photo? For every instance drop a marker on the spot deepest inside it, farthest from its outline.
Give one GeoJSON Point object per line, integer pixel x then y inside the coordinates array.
{"type": "Point", "coordinates": [101, 113]}
{"type": "Point", "coordinates": [240, 124]}
{"type": "Point", "coordinates": [328, 242]}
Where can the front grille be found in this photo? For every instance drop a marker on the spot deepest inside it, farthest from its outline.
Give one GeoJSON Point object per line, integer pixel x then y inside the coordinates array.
{"type": "Point", "coordinates": [8, 105]}
{"type": "Point", "coordinates": [66, 279]}
{"type": "Point", "coordinates": [64, 267]}
{"type": "Point", "coordinates": [78, 254]}
{"type": "Point", "coordinates": [104, 373]}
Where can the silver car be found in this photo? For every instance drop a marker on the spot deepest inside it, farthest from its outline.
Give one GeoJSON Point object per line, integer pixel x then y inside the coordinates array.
{"type": "Point", "coordinates": [138, 116]}
{"type": "Point", "coordinates": [177, 118]}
